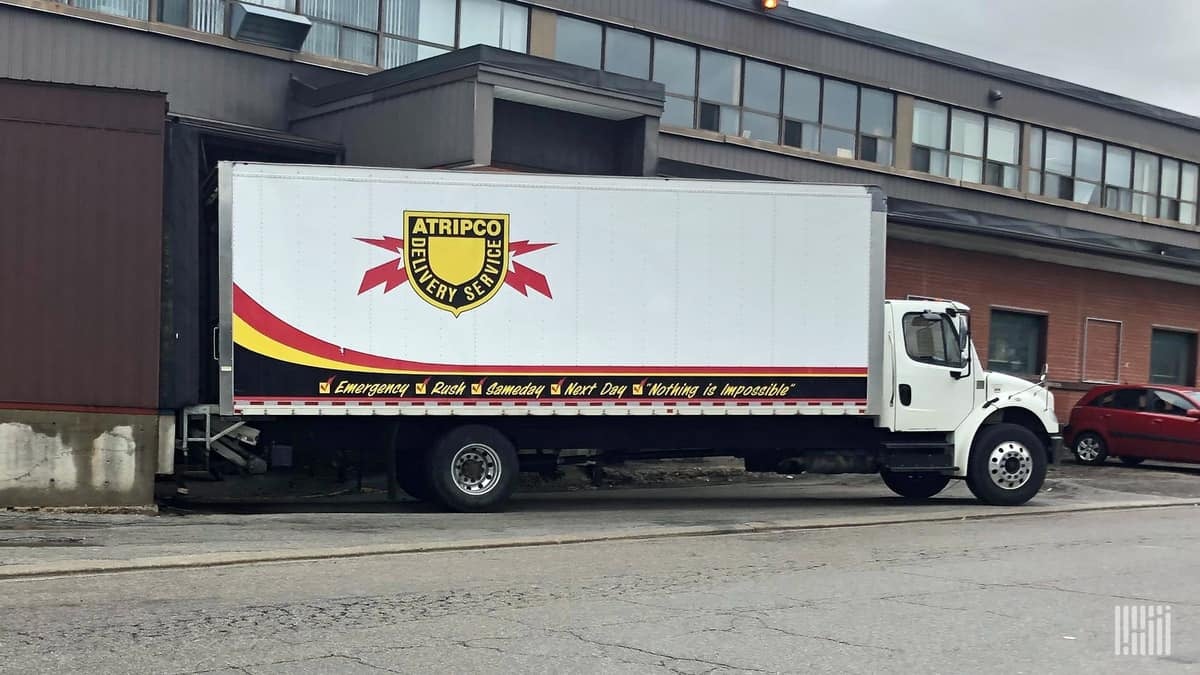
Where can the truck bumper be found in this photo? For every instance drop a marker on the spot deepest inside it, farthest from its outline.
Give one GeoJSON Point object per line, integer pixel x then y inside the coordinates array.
{"type": "Point", "coordinates": [1055, 450]}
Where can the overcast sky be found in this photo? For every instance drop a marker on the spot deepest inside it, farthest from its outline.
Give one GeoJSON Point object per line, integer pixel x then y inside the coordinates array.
{"type": "Point", "coordinates": [1144, 49]}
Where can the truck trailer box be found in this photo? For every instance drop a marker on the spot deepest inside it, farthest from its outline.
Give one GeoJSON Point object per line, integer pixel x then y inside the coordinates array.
{"type": "Point", "coordinates": [369, 290]}
{"type": "Point", "coordinates": [478, 324]}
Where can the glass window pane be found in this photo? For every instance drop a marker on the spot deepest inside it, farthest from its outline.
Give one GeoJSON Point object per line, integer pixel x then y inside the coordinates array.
{"type": "Point", "coordinates": [514, 28]}
{"type": "Point", "coordinates": [966, 133]}
{"type": "Point", "coordinates": [174, 12]}
{"type": "Point", "coordinates": [1058, 186]}
{"type": "Point", "coordinates": [1145, 205]}
{"type": "Point", "coordinates": [1187, 213]}
{"type": "Point", "coordinates": [720, 77]}
{"type": "Point", "coordinates": [966, 168]}
{"type": "Point", "coordinates": [1170, 178]}
{"type": "Point", "coordinates": [479, 23]}
{"type": "Point", "coordinates": [1015, 343]}
{"type": "Point", "coordinates": [361, 13]}
{"type": "Point", "coordinates": [839, 106]}
{"type": "Point", "coordinates": [577, 42]}
{"type": "Point", "coordinates": [675, 67]}
{"type": "Point", "coordinates": [1059, 153]}
{"type": "Point", "coordinates": [876, 150]}
{"type": "Point", "coordinates": [1088, 159]}
{"type": "Point", "coordinates": [679, 112]}
{"type": "Point", "coordinates": [1087, 193]}
{"type": "Point", "coordinates": [1003, 141]}
{"type": "Point", "coordinates": [720, 118]}
{"type": "Point", "coordinates": [762, 87]}
{"type": "Point", "coordinates": [877, 113]}
{"type": "Point", "coordinates": [402, 52]}
{"type": "Point", "coordinates": [760, 127]}
{"type": "Point", "coordinates": [929, 124]}
{"type": "Point", "coordinates": [837, 143]}
{"type": "Point", "coordinates": [804, 135]}
{"type": "Point", "coordinates": [322, 39]}
{"type": "Point", "coordinates": [627, 53]}
{"type": "Point", "coordinates": [1187, 182]}
{"type": "Point", "coordinates": [1117, 165]}
{"type": "Point", "coordinates": [1145, 172]}
{"type": "Point", "coordinates": [134, 9]}
{"type": "Point", "coordinates": [1033, 181]}
{"type": "Point", "coordinates": [801, 96]}
{"type": "Point", "coordinates": [1172, 357]}
{"type": "Point", "coordinates": [1035, 148]}
{"type": "Point", "coordinates": [428, 20]}
{"type": "Point", "coordinates": [358, 46]}
{"type": "Point", "coordinates": [1118, 198]}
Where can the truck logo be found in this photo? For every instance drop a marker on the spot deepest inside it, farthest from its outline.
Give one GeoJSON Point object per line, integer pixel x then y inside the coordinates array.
{"type": "Point", "coordinates": [455, 261]}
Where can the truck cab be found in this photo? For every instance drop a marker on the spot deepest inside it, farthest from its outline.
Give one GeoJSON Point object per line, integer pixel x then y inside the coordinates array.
{"type": "Point", "coordinates": [998, 428]}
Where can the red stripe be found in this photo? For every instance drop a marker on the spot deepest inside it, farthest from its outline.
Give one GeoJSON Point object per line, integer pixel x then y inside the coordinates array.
{"type": "Point", "coordinates": [279, 330]}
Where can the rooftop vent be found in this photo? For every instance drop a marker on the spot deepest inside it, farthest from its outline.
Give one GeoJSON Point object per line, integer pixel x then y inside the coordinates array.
{"type": "Point", "coordinates": [268, 27]}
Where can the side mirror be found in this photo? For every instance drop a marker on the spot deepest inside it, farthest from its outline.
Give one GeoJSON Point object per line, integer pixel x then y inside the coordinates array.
{"type": "Point", "coordinates": [1045, 373]}
{"type": "Point", "coordinates": [1194, 413]}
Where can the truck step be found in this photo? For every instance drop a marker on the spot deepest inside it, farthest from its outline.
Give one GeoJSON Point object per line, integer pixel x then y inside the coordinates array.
{"type": "Point", "coordinates": [918, 445]}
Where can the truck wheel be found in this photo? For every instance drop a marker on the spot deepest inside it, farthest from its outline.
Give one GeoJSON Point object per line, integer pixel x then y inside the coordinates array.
{"type": "Point", "coordinates": [473, 468]}
{"type": "Point", "coordinates": [1007, 465]}
{"type": "Point", "coordinates": [919, 485]}
{"type": "Point", "coordinates": [1090, 449]}
{"type": "Point", "coordinates": [412, 475]}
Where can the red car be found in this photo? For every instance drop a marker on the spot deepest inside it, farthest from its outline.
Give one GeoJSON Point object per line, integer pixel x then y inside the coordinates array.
{"type": "Point", "coordinates": [1135, 423]}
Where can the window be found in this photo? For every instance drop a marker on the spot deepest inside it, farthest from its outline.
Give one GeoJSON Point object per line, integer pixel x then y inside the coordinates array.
{"type": "Point", "coordinates": [1017, 342]}
{"type": "Point", "coordinates": [760, 100]}
{"type": "Point", "coordinates": [493, 23]}
{"type": "Point", "coordinates": [929, 137]}
{"type": "Point", "coordinates": [720, 91]}
{"type": "Point", "coordinates": [931, 340]}
{"type": "Point", "coordinates": [1033, 180]}
{"type": "Point", "coordinates": [430, 21]}
{"type": "Point", "coordinates": [207, 16]}
{"type": "Point", "coordinates": [134, 9]}
{"type": "Point", "coordinates": [1167, 403]}
{"type": "Point", "coordinates": [675, 68]}
{"type": "Point", "coordinates": [1124, 399]}
{"type": "Point", "coordinates": [802, 110]}
{"type": "Point", "coordinates": [1145, 184]}
{"type": "Point", "coordinates": [627, 53]}
{"type": "Point", "coordinates": [1059, 164]}
{"type": "Point", "coordinates": [578, 42]}
{"type": "Point", "coordinates": [1177, 191]}
{"type": "Point", "coordinates": [839, 110]}
{"type": "Point", "coordinates": [1003, 153]}
{"type": "Point", "coordinates": [966, 146]}
{"type": "Point", "coordinates": [1118, 178]}
{"type": "Point", "coordinates": [1172, 357]}
{"type": "Point", "coordinates": [877, 114]}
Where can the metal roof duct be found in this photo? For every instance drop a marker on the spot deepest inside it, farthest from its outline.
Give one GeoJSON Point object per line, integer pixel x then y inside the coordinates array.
{"type": "Point", "coordinates": [268, 27]}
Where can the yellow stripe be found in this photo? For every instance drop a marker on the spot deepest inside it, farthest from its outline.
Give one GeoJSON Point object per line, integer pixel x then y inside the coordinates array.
{"type": "Point", "coordinates": [245, 335]}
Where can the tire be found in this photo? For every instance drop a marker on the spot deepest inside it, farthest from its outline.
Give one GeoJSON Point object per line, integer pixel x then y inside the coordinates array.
{"type": "Point", "coordinates": [1007, 465]}
{"type": "Point", "coordinates": [412, 475]}
{"type": "Point", "coordinates": [473, 468]}
{"type": "Point", "coordinates": [1090, 449]}
{"type": "Point", "coordinates": [1132, 461]}
{"type": "Point", "coordinates": [920, 485]}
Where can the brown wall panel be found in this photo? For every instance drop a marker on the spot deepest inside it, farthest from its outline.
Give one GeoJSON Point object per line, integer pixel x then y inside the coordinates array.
{"type": "Point", "coordinates": [80, 245]}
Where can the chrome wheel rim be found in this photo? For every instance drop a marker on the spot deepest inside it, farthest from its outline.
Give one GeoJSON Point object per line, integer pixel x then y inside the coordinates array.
{"type": "Point", "coordinates": [1010, 465]}
{"type": "Point", "coordinates": [476, 469]}
{"type": "Point", "coordinates": [1087, 449]}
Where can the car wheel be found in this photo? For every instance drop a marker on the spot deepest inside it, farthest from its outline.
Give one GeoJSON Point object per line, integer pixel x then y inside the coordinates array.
{"type": "Point", "coordinates": [1090, 449]}
{"type": "Point", "coordinates": [1007, 465]}
{"type": "Point", "coordinates": [473, 468]}
{"type": "Point", "coordinates": [918, 485]}
{"type": "Point", "coordinates": [1132, 461]}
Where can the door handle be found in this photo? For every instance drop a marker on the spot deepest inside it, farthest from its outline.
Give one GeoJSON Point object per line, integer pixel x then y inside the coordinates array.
{"type": "Point", "coordinates": [905, 394]}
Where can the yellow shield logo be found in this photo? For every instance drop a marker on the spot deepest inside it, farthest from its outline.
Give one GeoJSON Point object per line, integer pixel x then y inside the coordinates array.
{"type": "Point", "coordinates": [456, 261]}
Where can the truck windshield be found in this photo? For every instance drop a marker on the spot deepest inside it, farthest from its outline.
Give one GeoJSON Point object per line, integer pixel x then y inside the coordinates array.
{"type": "Point", "coordinates": [931, 341]}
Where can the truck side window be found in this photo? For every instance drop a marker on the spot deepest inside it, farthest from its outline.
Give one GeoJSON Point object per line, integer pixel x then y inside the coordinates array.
{"type": "Point", "coordinates": [931, 341]}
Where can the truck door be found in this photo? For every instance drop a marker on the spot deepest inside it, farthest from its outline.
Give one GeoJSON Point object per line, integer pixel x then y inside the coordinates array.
{"type": "Point", "coordinates": [934, 374]}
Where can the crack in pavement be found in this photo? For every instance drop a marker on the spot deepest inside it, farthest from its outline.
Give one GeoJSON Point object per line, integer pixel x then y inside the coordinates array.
{"type": "Point", "coordinates": [1042, 586]}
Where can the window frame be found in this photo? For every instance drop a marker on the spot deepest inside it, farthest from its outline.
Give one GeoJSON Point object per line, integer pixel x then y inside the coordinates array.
{"type": "Point", "coordinates": [983, 158]}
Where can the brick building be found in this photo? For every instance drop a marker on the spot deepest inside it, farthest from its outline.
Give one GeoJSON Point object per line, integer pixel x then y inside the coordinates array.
{"type": "Point", "coordinates": [1066, 217]}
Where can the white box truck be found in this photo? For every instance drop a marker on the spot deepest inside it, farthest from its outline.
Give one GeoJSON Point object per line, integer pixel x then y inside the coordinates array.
{"type": "Point", "coordinates": [480, 324]}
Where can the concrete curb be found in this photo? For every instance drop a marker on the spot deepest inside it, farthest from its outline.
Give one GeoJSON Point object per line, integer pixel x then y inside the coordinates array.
{"type": "Point", "coordinates": [83, 567]}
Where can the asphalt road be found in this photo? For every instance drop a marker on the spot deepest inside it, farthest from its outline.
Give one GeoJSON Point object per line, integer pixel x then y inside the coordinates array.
{"type": "Point", "coordinates": [1013, 595]}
